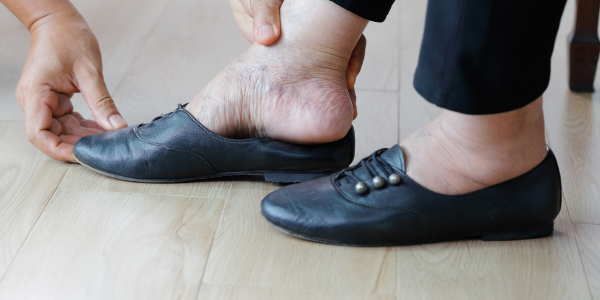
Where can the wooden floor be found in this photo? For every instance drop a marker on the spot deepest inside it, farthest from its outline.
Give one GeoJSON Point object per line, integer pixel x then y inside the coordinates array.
{"type": "Point", "coordinates": [68, 233]}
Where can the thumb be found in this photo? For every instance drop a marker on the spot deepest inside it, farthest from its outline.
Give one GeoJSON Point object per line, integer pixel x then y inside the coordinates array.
{"type": "Point", "coordinates": [267, 24]}
{"type": "Point", "coordinates": [98, 99]}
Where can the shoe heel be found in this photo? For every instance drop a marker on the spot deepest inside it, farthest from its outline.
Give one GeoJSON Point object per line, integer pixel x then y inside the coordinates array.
{"type": "Point", "coordinates": [294, 177]}
{"type": "Point", "coordinates": [519, 233]}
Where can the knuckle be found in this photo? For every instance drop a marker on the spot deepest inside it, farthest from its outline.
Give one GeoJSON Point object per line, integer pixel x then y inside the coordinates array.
{"type": "Point", "coordinates": [23, 88]}
{"type": "Point", "coordinates": [269, 7]}
{"type": "Point", "coordinates": [104, 102]}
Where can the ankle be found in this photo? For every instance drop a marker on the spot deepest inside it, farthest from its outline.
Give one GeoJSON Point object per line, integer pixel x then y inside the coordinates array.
{"type": "Point", "coordinates": [457, 153]}
{"type": "Point", "coordinates": [519, 133]}
{"type": "Point", "coordinates": [308, 24]}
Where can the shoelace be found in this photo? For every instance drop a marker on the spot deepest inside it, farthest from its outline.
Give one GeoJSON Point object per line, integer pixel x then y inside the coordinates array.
{"type": "Point", "coordinates": [371, 164]}
{"type": "Point", "coordinates": [179, 106]}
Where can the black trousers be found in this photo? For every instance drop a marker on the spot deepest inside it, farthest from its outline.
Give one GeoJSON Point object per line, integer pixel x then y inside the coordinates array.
{"type": "Point", "coordinates": [480, 56]}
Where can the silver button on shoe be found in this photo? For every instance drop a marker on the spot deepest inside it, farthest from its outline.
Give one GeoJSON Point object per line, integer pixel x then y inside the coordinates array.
{"type": "Point", "coordinates": [361, 188]}
{"type": "Point", "coordinates": [395, 179]}
{"type": "Point", "coordinates": [378, 182]}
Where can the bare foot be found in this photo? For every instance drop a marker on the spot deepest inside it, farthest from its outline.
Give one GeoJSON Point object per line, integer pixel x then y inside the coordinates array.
{"type": "Point", "coordinates": [458, 154]}
{"type": "Point", "coordinates": [294, 90]}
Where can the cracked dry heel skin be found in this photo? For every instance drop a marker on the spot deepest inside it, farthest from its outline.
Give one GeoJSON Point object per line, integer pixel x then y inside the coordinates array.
{"type": "Point", "coordinates": [375, 203]}
{"type": "Point", "coordinates": [175, 147]}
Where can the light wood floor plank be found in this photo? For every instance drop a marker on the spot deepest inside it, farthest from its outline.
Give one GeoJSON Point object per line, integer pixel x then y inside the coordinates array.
{"type": "Point", "coordinates": [172, 69]}
{"type": "Point", "coordinates": [573, 128]}
{"type": "Point", "coordinates": [377, 123]}
{"type": "Point", "coordinates": [104, 245]}
{"type": "Point", "coordinates": [249, 252]}
{"type": "Point", "coordinates": [220, 292]}
{"type": "Point", "coordinates": [537, 269]}
{"type": "Point", "coordinates": [200, 20]}
{"type": "Point", "coordinates": [573, 135]}
{"type": "Point", "coordinates": [122, 29]}
{"type": "Point", "coordinates": [192, 43]}
{"type": "Point", "coordinates": [415, 112]}
{"type": "Point", "coordinates": [380, 70]}
{"type": "Point", "coordinates": [547, 268]}
{"type": "Point", "coordinates": [82, 178]}
{"type": "Point", "coordinates": [14, 46]}
{"type": "Point", "coordinates": [28, 179]}
{"type": "Point", "coordinates": [588, 240]}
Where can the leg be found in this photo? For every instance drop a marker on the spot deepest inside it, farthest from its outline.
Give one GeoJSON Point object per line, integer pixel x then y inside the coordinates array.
{"type": "Point", "coordinates": [492, 131]}
{"type": "Point", "coordinates": [294, 90]}
{"type": "Point", "coordinates": [584, 47]}
{"type": "Point", "coordinates": [487, 62]}
{"type": "Point", "coordinates": [460, 153]}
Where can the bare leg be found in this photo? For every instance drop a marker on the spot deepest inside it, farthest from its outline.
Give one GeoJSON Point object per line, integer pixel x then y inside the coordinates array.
{"type": "Point", "coordinates": [294, 90]}
{"type": "Point", "coordinates": [459, 153]}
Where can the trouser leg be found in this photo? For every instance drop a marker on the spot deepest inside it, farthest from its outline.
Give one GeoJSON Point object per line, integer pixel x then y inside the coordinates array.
{"type": "Point", "coordinates": [487, 56]}
{"type": "Point", "coordinates": [480, 56]}
{"type": "Point", "coordinates": [372, 10]}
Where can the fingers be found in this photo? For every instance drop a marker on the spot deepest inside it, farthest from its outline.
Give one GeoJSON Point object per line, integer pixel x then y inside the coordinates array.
{"type": "Point", "coordinates": [87, 123]}
{"type": "Point", "coordinates": [267, 23]}
{"type": "Point", "coordinates": [55, 148]}
{"type": "Point", "coordinates": [242, 19]}
{"type": "Point", "coordinates": [41, 128]}
{"type": "Point", "coordinates": [69, 139]}
{"type": "Point", "coordinates": [71, 126]}
{"type": "Point", "coordinates": [97, 97]}
{"type": "Point", "coordinates": [56, 128]}
{"type": "Point", "coordinates": [64, 106]}
{"type": "Point", "coordinates": [356, 61]}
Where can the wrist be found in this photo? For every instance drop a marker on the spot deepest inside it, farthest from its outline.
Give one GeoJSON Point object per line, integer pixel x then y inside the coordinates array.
{"type": "Point", "coordinates": [66, 17]}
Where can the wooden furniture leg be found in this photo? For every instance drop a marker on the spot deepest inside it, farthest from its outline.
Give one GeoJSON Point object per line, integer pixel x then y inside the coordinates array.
{"type": "Point", "coordinates": [584, 46]}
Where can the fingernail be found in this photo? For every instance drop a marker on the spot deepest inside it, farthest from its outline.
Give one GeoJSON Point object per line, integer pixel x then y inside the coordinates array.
{"type": "Point", "coordinates": [265, 31]}
{"type": "Point", "coordinates": [117, 121]}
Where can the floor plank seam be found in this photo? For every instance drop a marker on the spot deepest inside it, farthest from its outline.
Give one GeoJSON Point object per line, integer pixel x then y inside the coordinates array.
{"type": "Point", "coordinates": [397, 293]}
{"type": "Point", "coordinates": [295, 290]}
{"type": "Point", "coordinates": [587, 281]}
{"type": "Point", "coordinates": [212, 242]}
{"type": "Point", "coordinates": [589, 224]}
{"type": "Point", "coordinates": [33, 226]}
{"type": "Point", "coordinates": [130, 193]}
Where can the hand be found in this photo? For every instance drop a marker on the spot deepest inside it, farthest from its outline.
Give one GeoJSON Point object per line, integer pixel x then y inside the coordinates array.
{"type": "Point", "coordinates": [354, 66]}
{"type": "Point", "coordinates": [64, 59]}
{"type": "Point", "coordinates": [258, 19]}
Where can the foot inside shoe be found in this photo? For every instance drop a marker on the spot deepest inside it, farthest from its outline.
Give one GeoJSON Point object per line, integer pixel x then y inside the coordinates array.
{"type": "Point", "coordinates": [334, 209]}
{"type": "Point", "coordinates": [176, 148]}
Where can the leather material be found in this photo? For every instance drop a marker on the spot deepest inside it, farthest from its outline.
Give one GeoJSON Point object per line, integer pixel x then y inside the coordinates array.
{"type": "Point", "coordinates": [329, 210]}
{"type": "Point", "coordinates": [176, 147]}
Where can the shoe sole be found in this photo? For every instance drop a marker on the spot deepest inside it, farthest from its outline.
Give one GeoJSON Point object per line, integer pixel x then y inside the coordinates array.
{"type": "Point", "coordinates": [497, 235]}
{"type": "Point", "coordinates": [270, 176]}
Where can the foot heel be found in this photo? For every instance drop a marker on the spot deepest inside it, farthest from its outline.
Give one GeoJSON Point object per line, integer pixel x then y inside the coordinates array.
{"type": "Point", "coordinates": [519, 233]}
{"type": "Point", "coordinates": [294, 177]}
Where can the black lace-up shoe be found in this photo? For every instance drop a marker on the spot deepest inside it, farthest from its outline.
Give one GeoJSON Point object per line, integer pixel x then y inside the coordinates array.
{"type": "Point", "coordinates": [174, 147]}
{"type": "Point", "coordinates": [375, 203]}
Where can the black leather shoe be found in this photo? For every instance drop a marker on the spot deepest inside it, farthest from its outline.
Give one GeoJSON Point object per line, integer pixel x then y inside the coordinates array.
{"type": "Point", "coordinates": [175, 148]}
{"type": "Point", "coordinates": [375, 203]}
